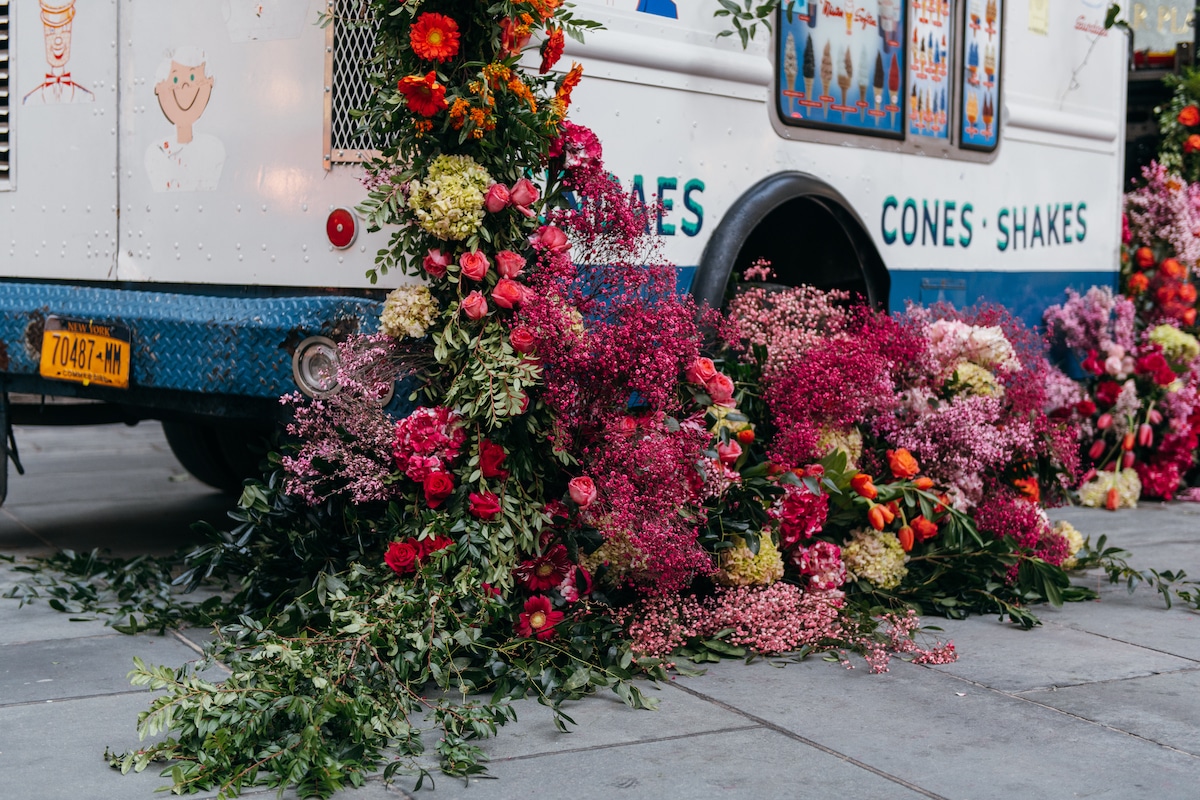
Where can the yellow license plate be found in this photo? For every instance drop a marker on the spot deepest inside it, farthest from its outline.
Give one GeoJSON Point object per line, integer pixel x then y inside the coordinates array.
{"type": "Point", "coordinates": [85, 352]}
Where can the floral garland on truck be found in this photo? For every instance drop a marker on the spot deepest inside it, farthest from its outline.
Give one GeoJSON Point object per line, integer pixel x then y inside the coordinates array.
{"type": "Point", "coordinates": [586, 490]}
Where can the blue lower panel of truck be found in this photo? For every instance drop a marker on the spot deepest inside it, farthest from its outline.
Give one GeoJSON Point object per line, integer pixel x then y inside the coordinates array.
{"type": "Point", "coordinates": [233, 346]}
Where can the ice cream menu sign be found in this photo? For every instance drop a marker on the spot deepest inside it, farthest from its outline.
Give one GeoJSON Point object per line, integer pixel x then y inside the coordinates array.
{"type": "Point", "coordinates": [929, 67]}
{"type": "Point", "coordinates": [981, 74]}
{"type": "Point", "coordinates": [841, 65]}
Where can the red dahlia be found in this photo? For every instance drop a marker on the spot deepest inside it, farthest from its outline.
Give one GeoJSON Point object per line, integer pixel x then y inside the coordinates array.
{"type": "Point", "coordinates": [539, 618]}
{"type": "Point", "coordinates": [545, 571]}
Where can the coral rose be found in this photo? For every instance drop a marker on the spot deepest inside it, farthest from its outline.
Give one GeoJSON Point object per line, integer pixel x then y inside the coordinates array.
{"type": "Point", "coordinates": [720, 389]}
{"type": "Point", "coordinates": [474, 306]}
{"type": "Point", "coordinates": [438, 486]}
{"type": "Point", "coordinates": [508, 293]}
{"type": "Point", "coordinates": [701, 371]}
{"type": "Point", "coordinates": [522, 340]}
{"type": "Point", "coordinates": [1189, 116]}
{"type": "Point", "coordinates": [1173, 268]}
{"type": "Point", "coordinates": [1144, 258]}
{"type": "Point", "coordinates": [496, 199]}
{"type": "Point", "coordinates": [582, 491]}
{"type": "Point", "coordinates": [474, 265]}
{"type": "Point", "coordinates": [509, 264]}
{"type": "Point", "coordinates": [484, 506]}
{"type": "Point", "coordinates": [1192, 143]}
{"type": "Point", "coordinates": [902, 463]}
{"type": "Point", "coordinates": [549, 237]}
{"type": "Point", "coordinates": [1138, 283]}
{"type": "Point", "coordinates": [523, 194]}
{"type": "Point", "coordinates": [729, 453]}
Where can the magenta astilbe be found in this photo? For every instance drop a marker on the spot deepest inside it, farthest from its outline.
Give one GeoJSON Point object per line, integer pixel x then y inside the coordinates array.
{"type": "Point", "coordinates": [1005, 515]}
{"type": "Point", "coordinates": [346, 439]}
{"type": "Point", "coordinates": [641, 474]}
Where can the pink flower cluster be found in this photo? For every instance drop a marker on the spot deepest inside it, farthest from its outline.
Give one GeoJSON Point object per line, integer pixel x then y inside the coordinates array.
{"type": "Point", "coordinates": [1096, 321]}
{"type": "Point", "coordinates": [1165, 210]}
{"type": "Point", "coordinates": [427, 441]}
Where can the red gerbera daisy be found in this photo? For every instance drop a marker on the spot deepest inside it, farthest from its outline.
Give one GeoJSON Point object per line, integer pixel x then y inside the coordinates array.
{"type": "Point", "coordinates": [539, 618]}
{"type": "Point", "coordinates": [552, 49]}
{"type": "Point", "coordinates": [545, 571]}
{"type": "Point", "coordinates": [434, 37]}
{"type": "Point", "coordinates": [425, 95]}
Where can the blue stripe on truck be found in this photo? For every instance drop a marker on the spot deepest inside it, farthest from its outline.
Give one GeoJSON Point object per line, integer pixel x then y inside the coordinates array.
{"type": "Point", "coordinates": [187, 342]}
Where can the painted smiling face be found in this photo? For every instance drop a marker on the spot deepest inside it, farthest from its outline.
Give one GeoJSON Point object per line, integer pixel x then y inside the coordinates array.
{"type": "Point", "coordinates": [183, 95]}
{"type": "Point", "coordinates": [58, 45]}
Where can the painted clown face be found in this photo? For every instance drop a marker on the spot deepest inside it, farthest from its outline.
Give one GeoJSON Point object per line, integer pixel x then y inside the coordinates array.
{"type": "Point", "coordinates": [183, 96]}
{"type": "Point", "coordinates": [58, 44]}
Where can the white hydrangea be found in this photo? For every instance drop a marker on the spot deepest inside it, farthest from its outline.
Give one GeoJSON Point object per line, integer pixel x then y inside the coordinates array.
{"type": "Point", "coordinates": [408, 311]}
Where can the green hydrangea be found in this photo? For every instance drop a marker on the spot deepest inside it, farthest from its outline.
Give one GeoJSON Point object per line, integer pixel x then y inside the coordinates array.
{"type": "Point", "coordinates": [449, 202]}
{"type": "Point", "coordinates": [973, 379]}
{"type": "Point", "coordinates": [408, 311]}
{"type": "Point", "coordinates": [876, 557]}
{"type": "Point", "coordinates": [1180, 348]}
{"type": "Point", "coordinates": [741, 567]}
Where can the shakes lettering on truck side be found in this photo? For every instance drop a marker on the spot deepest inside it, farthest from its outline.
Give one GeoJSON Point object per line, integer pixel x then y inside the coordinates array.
{"type": "Point", "coordinates": [177, 178]}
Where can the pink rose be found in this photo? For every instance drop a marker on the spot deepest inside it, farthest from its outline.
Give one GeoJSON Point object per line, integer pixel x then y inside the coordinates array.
{"type": "Point", "coordinates": [509, 264]}
{"type": "Point", "coordinates": [497, 198]}
{"type": "Point", "coordinates": [701, 371]}
{"type": "Point", "coordinates": [474, 265]}
{"type": "Point", "coordinates": [435, 263]}
{"type": "Point", "coordinates": [720, 389]}
{"type": "Point", "coordinates": [524, 193]}
{"type": "Point", "coordinates": [582, 491]}
{"type": "Point", "coordinates": [729, 453]}
{"type": "Point", "coordinates": [474, 306]}
{"type": "Point", "coordinates": [548, 237]}
{"type": "Point", "coordinates": [522, 340]}
{"type": "Point", "coordinates": [507, 293]}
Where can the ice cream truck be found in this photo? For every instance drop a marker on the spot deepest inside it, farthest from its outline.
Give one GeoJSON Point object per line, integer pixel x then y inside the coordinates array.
{"type": "Point", "coordinates": [178, 179]}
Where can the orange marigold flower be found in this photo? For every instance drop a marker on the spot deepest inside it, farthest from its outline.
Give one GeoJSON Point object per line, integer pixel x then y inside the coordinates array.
{"type": "Point", "coordinates": [434, 37]}
{"type": "Point", "coordinates": [568, 84]}
{"type": "Point", "coordinates": [424, 95]}
{"type": "Point", "coordinates": [552, 49]}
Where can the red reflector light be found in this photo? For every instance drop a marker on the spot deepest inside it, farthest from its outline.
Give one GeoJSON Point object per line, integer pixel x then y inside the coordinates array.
{"type": "Point", "coordinates": [341, 227]}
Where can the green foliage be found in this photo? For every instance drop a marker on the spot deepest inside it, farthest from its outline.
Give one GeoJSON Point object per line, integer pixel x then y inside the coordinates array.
{"type": "Point", "coordinates": [1172, 154]}
{"type": "Point", "coordinates": [747, 16]}
{"type": "Point", "coordinates": [1171, 585]}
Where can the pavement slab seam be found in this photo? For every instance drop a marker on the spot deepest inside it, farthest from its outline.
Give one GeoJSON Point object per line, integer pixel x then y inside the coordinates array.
{"type": "Point", "coordinates": [61, 700]}
{"type": "Point", "coordinates": [1074, 716]}
{"type": "Point", "coordinates": [1125, 641]}
{"type": "Point", "coordinates": [1056, 686]}
{"type": "Point", "coordinates": [771, 726]}
{"type": "Point", "coordinates": [635, 742]}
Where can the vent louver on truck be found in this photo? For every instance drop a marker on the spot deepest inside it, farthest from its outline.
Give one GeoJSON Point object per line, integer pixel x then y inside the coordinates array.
{"type": "Point", "coordinates": [5, 95]}
{"type": "Point", "coordinates": [349, 44]}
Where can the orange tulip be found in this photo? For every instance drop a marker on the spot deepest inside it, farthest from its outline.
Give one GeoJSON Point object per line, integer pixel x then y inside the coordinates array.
{"type": "Point", "coordinates": [1128, 442]}
{"type": "Point", "coordinates": [906, 537]}
{"type": "Point", "coordinates": [924, 529]}
{"type": "Point", "coordinates": [745, 436]}
{"type": "Point", "coordinates": [880, 517]}
{"type": "Point", "coordinates": [1112, 501]}
{"type": "Point", "coordinates": [863, 485]}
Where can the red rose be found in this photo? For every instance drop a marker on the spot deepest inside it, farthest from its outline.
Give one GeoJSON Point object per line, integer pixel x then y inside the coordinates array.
{"type": "Point", "coordinates": [509, 264]}
{"type": "Point", "coordinates": [496, 199]}
{"type": "Point", "coordinates": [433, 544]}
{"type": "Point", "coordinates": [508, 293]}
{"type": "Point", "coordinates": [474, 265]}
{"type": "Point", "coordinates": [902, 463]}
{"type": "Point", "coordinates": [538, 619]}
{"type": "Point", "coordinates": [435, 263]}
{"type": "Point", "coordinates": [1151, 363]}
{"type": "Point", "coordinates": [491, 456]}
{"type": "Point", "coordinates": [474, 306]}
{"type": "Point", "coordinates": [438, 486]}
{"type": "Point", "coordinates": [1192, 143]}
{"type": "Point", "coordinates": [582, 491]}
{"type": "Point", "coordinates": [1187, 293]}
{"type": "Point", "coordinates": [522, 340]}
{"type": "Point", "coordinates": [1189, 116]}
{"type": "Point", "coordinates": [1085, 408]}
{"type": "Point", "coordinates": [485, 506]}
{"type": "Point", "coordinates": [1107, 393]}
{"type": "Point", "coordinates": [1188, 317]}
{"type": "Point", "coordinates": [923, 528]}
{"type": "Point", "coordinates": [1173, 268]}
{"type": "Point", "coordinates": [402, 557]}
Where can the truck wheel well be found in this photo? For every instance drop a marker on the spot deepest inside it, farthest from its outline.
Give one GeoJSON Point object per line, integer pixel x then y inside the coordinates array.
{"type": "Point", "coordinates": [808, 232]}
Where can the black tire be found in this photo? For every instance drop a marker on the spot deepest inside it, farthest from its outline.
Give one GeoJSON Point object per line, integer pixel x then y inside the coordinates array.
{"type": "Point", "coordinates": [221, 456]}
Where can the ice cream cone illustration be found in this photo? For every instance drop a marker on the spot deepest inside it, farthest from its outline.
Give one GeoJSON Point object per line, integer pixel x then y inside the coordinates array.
{"type": "Point", "coordinates": [913, 110]}
{"type": "Point", "coordinates": [991, 18]}
{"type": "Point", "coordinates": [791, 68]}
{"type": "Point", "coordinates": [864, 75]}
{"type": "Point", "coordinates": [989, 64]}
{"type": "Point", "coordinates": [893, 83]}
{"type": "Point", "coordinates": [849, 13]}
{"type": "Point", "coordinates": [846, 75]}
{"type": "Point", "coordinates": [877, 84]}
{"type": "Point", "coordinates": [809, 67]}
{"type": "Point", "coordinates": [972, 110]}
{"type": "Point", "coordinates": [989, 114]}
{"type": "Point", "coordinates": [827, 71]}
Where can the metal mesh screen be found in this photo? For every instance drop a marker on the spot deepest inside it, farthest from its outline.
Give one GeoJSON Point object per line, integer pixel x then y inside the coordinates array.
{"type": "Point", "coordinates": [5, 95]}
{"type": "Point", "coordinates": [353, 34]}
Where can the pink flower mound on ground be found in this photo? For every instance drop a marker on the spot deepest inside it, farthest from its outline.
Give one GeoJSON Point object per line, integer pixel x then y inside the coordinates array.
{"type": "Point", "coordinates": [779, 618]}
{"type": "Point", "coordinates": [427, 440]}
{"type": "Point", "coordinates": [346, 443]}
{"type": "Point", "coordinates": [1005, 516]}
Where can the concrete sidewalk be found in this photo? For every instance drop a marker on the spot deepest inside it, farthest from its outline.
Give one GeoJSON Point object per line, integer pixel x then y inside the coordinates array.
{"type": "Point", "coordinates": [1102, 701]}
